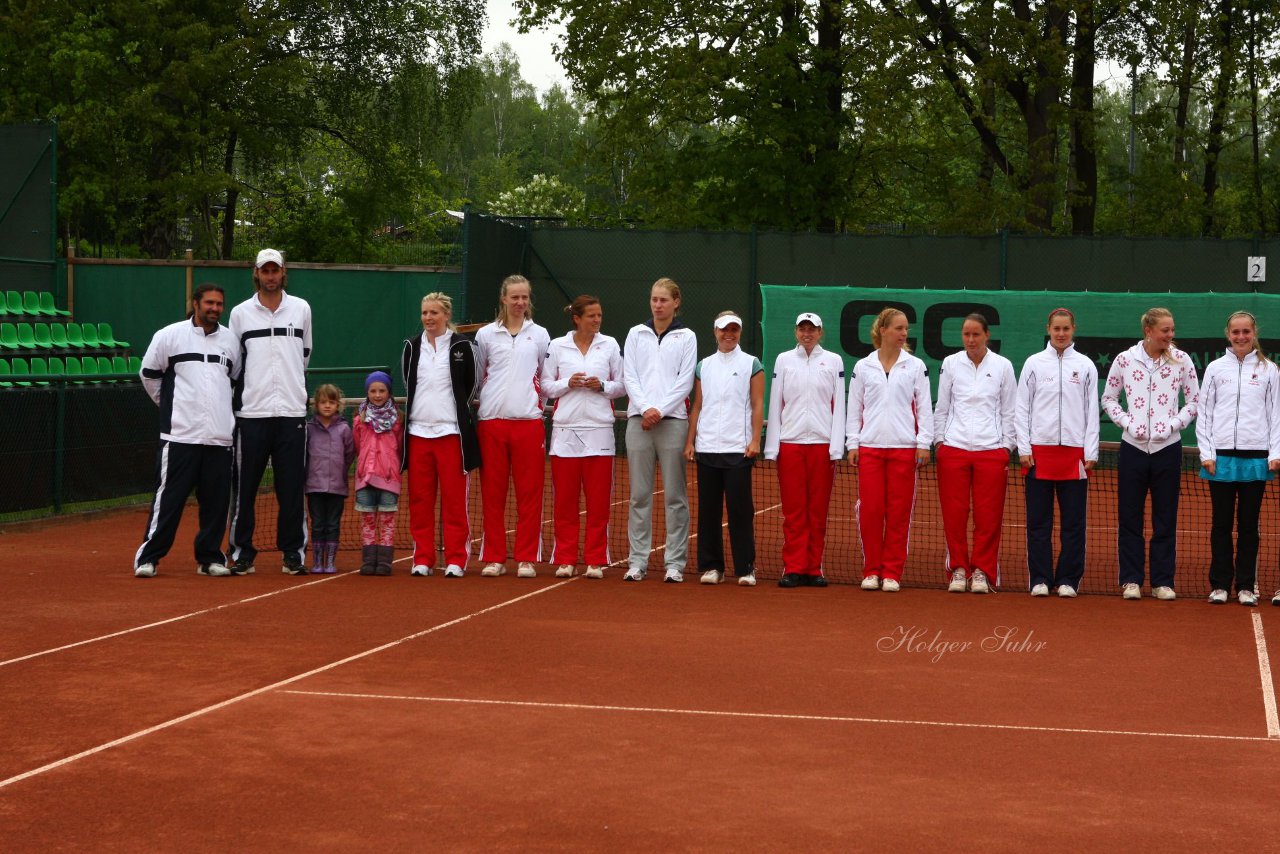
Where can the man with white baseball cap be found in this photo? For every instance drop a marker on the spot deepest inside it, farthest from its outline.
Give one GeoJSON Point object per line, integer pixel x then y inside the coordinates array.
{"type": "Point", "coordinates": [270, 404]}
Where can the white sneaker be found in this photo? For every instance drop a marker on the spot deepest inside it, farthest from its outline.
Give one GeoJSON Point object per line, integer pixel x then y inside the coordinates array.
{"type": "Point", "coordinates": [635, 573]}
{"type": "Point", "coordinates": [526, 570]}
{"type": "Point", "coordinates": [1248, 598]}
{"type": "Point", "coordinates": [420, 569]}
{"type": "Point", "coordinates": [1066, 591]}
{"type": "Point", "coordinates": [871, 582]}
{"type": "Point", "coordinates": [889, 585]}
{"type": "Point", "coordinates": [674, 576]}
{"type": "Point", "coordinates": [1040, 589]}
{"type": "Point", "coordinates": [1132, 591]}
{"type": "Point", "coordinates": [453, 571]}
{"type": "Point", "coordinates": [1165, 593]}
{"type": "Point", "coordinates": [748, 580]}
{"type": "Point", "coordinates": [1275, 600]}
{"type": "Point", "coordinates": [564, 571]}
{"type": "Point", "coordinates": [978, 584]}
{"type": "Point", "coordinates": [1218, 597]}
{"type": "Point", "coordinates": [712, 576]}
{"type": "Point", "coordinates": [212, 569]}
{"type": "Point", "coordinates": [595, 572]}
{"type": "Point", "coordinates": [493, 569]}
{"type": "Point", "coordinates": [147, 570]}
{"type": "Point", "coordinates": [958, 581]}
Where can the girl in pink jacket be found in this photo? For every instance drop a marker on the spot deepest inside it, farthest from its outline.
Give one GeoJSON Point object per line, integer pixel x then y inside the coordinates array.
{"type": "Point", "coordinates": [379, 432]}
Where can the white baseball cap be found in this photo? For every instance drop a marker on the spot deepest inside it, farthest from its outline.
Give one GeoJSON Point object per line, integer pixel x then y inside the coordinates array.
{"type": "Point", "coordinates": [269, 256]}
{"type": "Point", "coordinates": [810, 317]}
{"type": "Point", "coordinates": [722, 322]}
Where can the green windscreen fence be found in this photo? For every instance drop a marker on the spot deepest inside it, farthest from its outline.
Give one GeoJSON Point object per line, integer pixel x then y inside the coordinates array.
{"type": "Point", "coordinates": [360, 316]}
{"type": "Point", "coordinates": [28, 207]}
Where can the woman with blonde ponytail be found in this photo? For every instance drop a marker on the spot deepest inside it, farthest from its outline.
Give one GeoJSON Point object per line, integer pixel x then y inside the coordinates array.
{"type": "Point", "coordinates": [1238, 433]}
{"type": "Point", "coordinates": [1151, 374]}
{"type": "Point", "coordinates": [888, 432]}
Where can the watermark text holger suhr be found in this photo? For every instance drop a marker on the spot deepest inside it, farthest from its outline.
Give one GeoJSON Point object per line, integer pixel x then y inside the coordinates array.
{"type": "Point", "coordinates": [920, 641]}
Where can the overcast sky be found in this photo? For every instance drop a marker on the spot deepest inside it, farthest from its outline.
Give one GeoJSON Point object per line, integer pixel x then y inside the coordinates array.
{"type": "Point", "coordinates": [537, 65]}
{"type": "Point", "coordinates": [540, 68]}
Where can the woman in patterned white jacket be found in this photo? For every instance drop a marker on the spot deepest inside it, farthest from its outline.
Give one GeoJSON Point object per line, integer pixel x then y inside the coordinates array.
{"type": "Point", "coordinates": [1151, 374]}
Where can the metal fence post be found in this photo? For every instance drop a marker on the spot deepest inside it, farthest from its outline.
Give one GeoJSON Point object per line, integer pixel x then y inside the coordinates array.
{"type": "Point", "coordinates": [59, 442]}
{"type": "Point", "coordinates": [1004, 259]}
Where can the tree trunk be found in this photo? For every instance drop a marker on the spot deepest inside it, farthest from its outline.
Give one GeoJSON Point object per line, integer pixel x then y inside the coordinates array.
{"type": "Point", "coordinates": [1183, 86]}
{"type": "Point", "coordinates": [1260, 210]}
{"type": "Point", "coordinates": [829, 73]}
{"type": "Point", "coordinates": [1218, 117]}
{"type": "Point", "coordinates": [1084, 153]}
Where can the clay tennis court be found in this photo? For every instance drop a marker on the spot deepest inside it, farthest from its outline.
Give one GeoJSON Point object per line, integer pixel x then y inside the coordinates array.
{"type": "Point", "coordinates": [273, 713]}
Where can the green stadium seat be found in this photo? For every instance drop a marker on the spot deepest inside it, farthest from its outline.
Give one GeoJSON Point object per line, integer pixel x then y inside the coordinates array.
{"type": "Point", "coordinates": [20, 366]}
{"type": "Point", "coordinates": [120, 366]}
{"type": "Point", "coordinates": [73, 366]}
{"type": "Point", "coordinates": [58, 334]}
{"type": "Point", "coordinates": [26, 336]}
{"type": "Point", "coordinates": [104, 365]}
{"type": "Point", "coordinates": [40, 367]}
{"type": "Point", "coordinates": [9, 336]}
{"type": "Point", "coordinates": [43, 337]}
{"type": "Point", "coordinates": [31, 303]}
{"type": "Point", "coordinates": [135, 365]}
{"type": "Point", "coordinates": [90, 333]}
{"type": "Point", "coordinates": [4, 306]}
{"type": "Point", "coordinates": [49, 307]}
{"type": "Point", "coordinates": [14, 300]}
{"type": "Point", "coordinates": [74, 337]}
{"type": "Point", "coordinates": [56, 366]}
{"type": "Point", "coordinates": [4, 372]}
{"type": "Point", "coordinates": [106, 339]}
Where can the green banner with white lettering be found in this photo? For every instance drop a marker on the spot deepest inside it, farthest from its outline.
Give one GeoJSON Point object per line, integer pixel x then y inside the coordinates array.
{"type": "Point", "coordinates": [1106, 324]}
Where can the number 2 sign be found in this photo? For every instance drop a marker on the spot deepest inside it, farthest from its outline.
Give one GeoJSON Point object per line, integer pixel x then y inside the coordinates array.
{"type": "Point", "coordinates": [1257, 269]}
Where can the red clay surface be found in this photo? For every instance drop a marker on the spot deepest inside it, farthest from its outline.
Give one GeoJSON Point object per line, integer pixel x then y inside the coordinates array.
{"type": "Point", "coordinates": [828, 719]}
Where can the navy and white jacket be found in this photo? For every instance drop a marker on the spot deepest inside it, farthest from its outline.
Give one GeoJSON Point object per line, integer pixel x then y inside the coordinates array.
{"type": "Point", "coordinates": [275, 349]}
{"type": "Point", "coordinates": [188, 374]}
{"type": "Point", "coordinates": [1239, 407]}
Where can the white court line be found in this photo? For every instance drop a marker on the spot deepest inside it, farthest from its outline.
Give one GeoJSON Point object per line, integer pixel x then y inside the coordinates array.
{"type": "Point", "coordinates": [1264, 672]}
{"type": "Point", "coordinates": [264, 689]}
{"type": "Point", "coordinates": [176, 619]}
{"type": "Point", "coordinates": [778, 717]}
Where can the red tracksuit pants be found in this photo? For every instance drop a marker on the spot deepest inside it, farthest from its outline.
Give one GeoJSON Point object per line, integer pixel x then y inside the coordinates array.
{"type": "Point", "coordinates": [886, 496]}
{"type": "Point", "coordinates": [974, 479]}
{"type": "Point", "coordinates": [805, 476]}
{"type": "Point", "coordinates": [570, 478]}
{"type": "Point", "coordinates": [432, 463]}
{"type": "Point", "coordinates": [512, 450]}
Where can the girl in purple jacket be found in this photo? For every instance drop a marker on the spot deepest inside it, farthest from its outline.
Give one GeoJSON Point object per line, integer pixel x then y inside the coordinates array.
{"type": "Point", "coordinates": [329, 454]}
{"type": "Point", "coordinates": [379, 432]}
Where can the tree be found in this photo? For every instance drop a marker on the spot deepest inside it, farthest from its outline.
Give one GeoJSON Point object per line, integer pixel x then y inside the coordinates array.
{"type": "Point", "coordinates": [736, 110]}
{"type": "Point", "coordinates": [165, 105]}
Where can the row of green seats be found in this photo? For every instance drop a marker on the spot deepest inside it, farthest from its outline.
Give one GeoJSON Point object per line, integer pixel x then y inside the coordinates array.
{"type": "Point", "coordinates": [58, 336]}
{"type": "Point", "coordinates": [30, 303]}
{"type": "Point", "coordinates": [72, 366]}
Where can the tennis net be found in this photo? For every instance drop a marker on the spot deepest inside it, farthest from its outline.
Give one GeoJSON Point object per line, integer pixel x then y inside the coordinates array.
{"type": "Point", "coordinates": [926, 562]}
